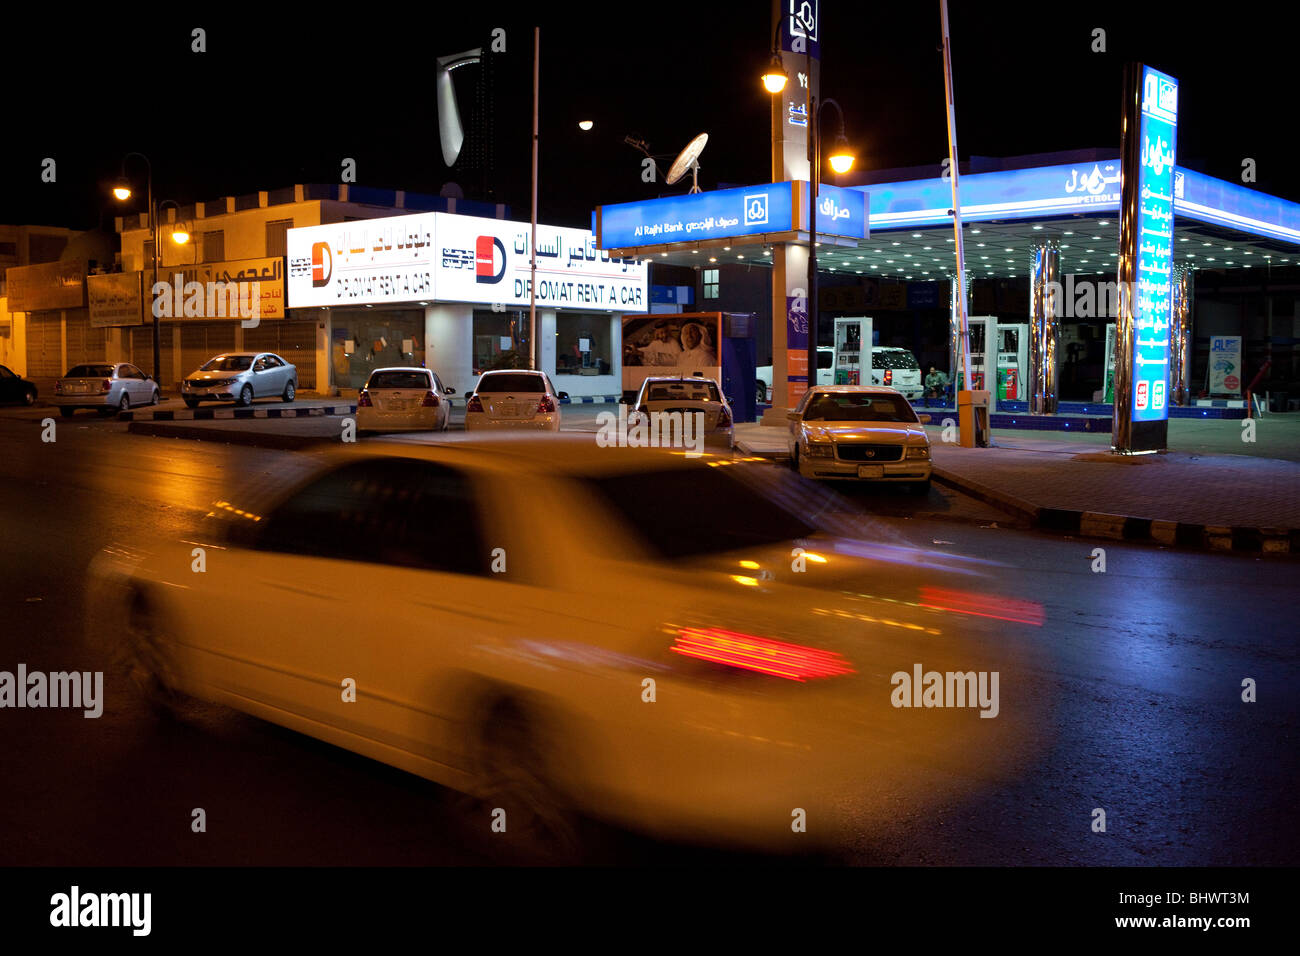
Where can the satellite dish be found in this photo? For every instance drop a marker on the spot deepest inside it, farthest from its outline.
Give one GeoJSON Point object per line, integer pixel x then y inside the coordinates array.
{"type": "Point", "coordinates": [689, 159]}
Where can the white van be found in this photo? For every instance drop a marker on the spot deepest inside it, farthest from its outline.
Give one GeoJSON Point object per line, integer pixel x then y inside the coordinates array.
{"type": "Point", "coordinates": [898, 369]}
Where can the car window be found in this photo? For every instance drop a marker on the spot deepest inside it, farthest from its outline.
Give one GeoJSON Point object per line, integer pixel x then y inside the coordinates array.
{"type": "Point", "coordinates": [683, 512]}
{"type": "Point", "coordinates": [398, 380]}
{"type": "Point", "coordinates": [5, 373]}
{"type": "Point", "coordinates": [89, 371]}
{"type": "Point", "coordinates": [825, 359]}
{"type": "Point", "coordinates": [227, 363]}
{"type": "Point", "coordinates": [691, 391]}
{"type": "Point", "coordinates": [858, 407]}
{"type": "Point", "coordinates": [893, 358]}
{"type": "Point", "coordinates": [133, 372]}
{"type": "Point", "coordinates": [395, 511]}
{"type": "Point", "coordinates": [438, 382]}
{"type": "Point", "coordinates": [510, 382]}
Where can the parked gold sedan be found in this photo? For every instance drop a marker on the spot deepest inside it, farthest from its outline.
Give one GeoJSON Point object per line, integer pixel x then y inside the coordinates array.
{"type": "Point", "coordinates": [866, 432]}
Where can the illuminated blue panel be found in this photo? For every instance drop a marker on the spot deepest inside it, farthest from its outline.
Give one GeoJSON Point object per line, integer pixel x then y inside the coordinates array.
{"type": "Point", "coordinates": [1204, 198]}
{"type": "Point", "coordinates": [1047, 191]}
{"type": "Point", "coordinates": [1153, 298]}
{"type": "Point", "coordinates": [840, 212]}
{"type": "Point", "coordinates": [722, 214]}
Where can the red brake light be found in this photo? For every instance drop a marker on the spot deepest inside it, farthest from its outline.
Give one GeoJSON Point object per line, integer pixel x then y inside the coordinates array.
{"type": "Point", "coordinates": [475, 405]}
{"type": "Point", "coordinates": [999, 607]}
{"type": "Point", "coordinates": [546, 404]}
{"type": "Point", "coordinates": [363, 400]}
{"type": "Point", "coordinates": [430, 400]}
{"type": "Point", "coordinates": [761, 654]}
{"type": "Point", "coordinates": [105, 385]}
{"type": "Point", "coordinates": [725, 417]}
{"type": "Point", "coordinates": [58, 388]}
{"type": "Point", "coordinates": [889, 376]}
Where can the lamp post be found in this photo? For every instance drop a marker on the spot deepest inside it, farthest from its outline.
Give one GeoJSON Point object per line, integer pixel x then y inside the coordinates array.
{"type": "Point", "coordinates": [123, 192]}
{"type": "Point", "coordinates": [841, 162]}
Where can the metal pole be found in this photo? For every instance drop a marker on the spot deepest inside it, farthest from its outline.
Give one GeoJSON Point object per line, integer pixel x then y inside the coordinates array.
{"type": "Point", "coordinates": [532, 256]}
{"type": "Point", "coordinates": [956, 201]}
{"type": "Point", "coordinates": [157, 328]}
{"type": "Point", "coordinates": [814, 177]}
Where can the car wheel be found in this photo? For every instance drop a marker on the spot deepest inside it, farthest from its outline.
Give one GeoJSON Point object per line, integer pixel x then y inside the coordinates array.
{"type": "Point", "coordinates": [794, 458]}
{"type": "Point", "coordinates": [514, 777]}
{"type": "Point", "coordinates": [147, 663]}
{"type": "Point", "coordinates": [289, 392]}
{"type": "Point", "coordinates": [29, 397]}
{"type": "Point", "coordinates": [155, 398]}
{"type": "Point", "coordinates": [246, 396]}
{"type": "Point", "coordinates": [124, 404]}
{"type": "Point", "coordinates": [67, 412]}
{"type": "Point", "coordinates": [191, 402]}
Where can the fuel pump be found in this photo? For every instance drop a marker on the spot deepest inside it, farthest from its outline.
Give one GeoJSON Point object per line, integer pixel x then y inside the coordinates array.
{"type": "Point", "coordinates": [851, 363]}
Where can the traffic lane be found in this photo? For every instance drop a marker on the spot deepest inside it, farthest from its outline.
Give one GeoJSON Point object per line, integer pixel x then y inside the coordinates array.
{"type": "Point", "coordinates": [1140, 671]}
{"type": "Point", "coordinates": [1136, 712]}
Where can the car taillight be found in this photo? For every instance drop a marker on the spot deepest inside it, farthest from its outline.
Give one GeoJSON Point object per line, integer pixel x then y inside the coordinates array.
{"type": "Point", "coordinates": [724, 418]}
{"type": "Point", "coordinates": [475, 405]}
{"type": "Point", "coordinates": [105, 385]}
{"type": "Point", "coordinates": [889, 376]}
{"type": "Point", "coordinates": [761, 654]}
{"type": "Point", "coordinates": [430, 400]}
{"type": "Point", "coordinates": [58, 388]}
{"type": "Point", "coordinates": [363, 400]}
{"type": "Point", "coordinates": [546, 404]}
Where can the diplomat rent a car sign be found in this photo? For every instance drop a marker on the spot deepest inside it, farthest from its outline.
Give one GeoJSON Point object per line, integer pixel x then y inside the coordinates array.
{"type": "Point", "coordinates": [366, 261]}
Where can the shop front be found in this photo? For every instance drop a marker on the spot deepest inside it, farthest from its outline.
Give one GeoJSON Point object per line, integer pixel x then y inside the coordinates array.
{"type": "Point", "coordinates": [452, 293]}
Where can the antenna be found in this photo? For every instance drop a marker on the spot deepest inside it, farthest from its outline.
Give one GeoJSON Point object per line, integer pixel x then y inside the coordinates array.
{"type": "Point", "coordinates": [688, 159]}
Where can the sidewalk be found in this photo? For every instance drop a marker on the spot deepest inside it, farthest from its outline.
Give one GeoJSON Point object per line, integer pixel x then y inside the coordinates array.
{"type": "Point", "coordinates": [1188, 496]}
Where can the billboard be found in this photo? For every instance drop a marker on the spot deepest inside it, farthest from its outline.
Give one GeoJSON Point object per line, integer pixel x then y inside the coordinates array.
{"type": "Point", "coordinates": [1225, 365]}
{"type": "Point", "coordinates": [450, 258]}
{"type": "Point", "coordinates": [696, 217]}
{"type": "Point", "coordinates": [239, 275]}
{"type": "Point", "coordinates": [47, 286]}
{"type": "Point", "coordinates": [674, 343]}
{"type": "Point", "coordinates": [115, 299]}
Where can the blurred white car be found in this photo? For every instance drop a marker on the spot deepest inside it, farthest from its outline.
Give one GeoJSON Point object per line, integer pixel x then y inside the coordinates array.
{"type": "Point", "coordinates": [514, 399]}
{"type": "Point", "coordinates": [404, 399]}
{"type": "Point", "coordinates": [687, 395]}
{"type": "Point", "coordinates": [859, 431]}
{"type": "Point", "coordinates": [898, 369]}
{"type": "Point", "coordinates": [548, 625]}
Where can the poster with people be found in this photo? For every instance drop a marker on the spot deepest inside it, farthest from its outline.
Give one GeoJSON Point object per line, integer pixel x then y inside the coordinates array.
{"type": "Point", "coordinates": [680, 343]}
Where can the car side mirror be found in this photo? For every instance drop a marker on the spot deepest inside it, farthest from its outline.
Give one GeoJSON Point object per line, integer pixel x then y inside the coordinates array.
{"type": "Point", "coordinates": [449, 390]}
{"type": "Point", "coordinates": [792, 416]}
{"type": "Point", "coordinates": [563, 395]}
{"type": "Point", "coordinates": [923, 419]}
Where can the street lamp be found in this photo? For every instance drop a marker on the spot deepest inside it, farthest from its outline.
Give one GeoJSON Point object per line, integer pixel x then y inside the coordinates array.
{"type": "Point", "coordinates": [775, 78]}
{"type": "Point", "coordinates": [122, 191]}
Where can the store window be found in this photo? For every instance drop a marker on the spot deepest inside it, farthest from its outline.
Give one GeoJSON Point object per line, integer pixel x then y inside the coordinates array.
{"type": "Point", "coordinates": [277, 232]}
{"type": "Point", "coordinates": [214, 246]}
{"type": "Point", "coordinates": [582, 345]}
{"type": "Point", "coordinates": [363, 342]}
{"type": "Point", "coordinates": [710, 283]}
{"type": "Point", "coordinates": [500, 340]}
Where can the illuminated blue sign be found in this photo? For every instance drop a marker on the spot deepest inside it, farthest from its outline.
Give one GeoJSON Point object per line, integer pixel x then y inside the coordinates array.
{"type": "Point", "coordinates": [695, 217]}
{"type": "Point", "coordinates": [1153, 298]}
{"type": "Point", "coordinates": [1201, 197]}
{"type": "Point", "coordinates": [840, 212]}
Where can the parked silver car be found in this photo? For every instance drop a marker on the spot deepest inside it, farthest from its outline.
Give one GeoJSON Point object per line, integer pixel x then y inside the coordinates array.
{"type": "Point", "coordinates": [105, 387]}
{"type": "Point", "coordinates": [241, 377]}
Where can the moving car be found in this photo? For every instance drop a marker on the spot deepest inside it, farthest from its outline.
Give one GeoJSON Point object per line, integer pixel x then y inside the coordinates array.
{"type": "Point", "coordinates": [105, 387]}
{"type": "Point", "coordinates": [514, 398]}
{"type": "Point", "coordinates": [898, 369]}
{"type": "Point", "coordinates": [15, 389]}
{"type": "Point", "coordinates": [241, 377]}
{"type": "Point", "coordinates": [404, 399]}
{"type": "Point", "coordinates": [554, 627]}
{"type": "Point", "coordinates": [687, 395]}
{"type": "Point", "coordinates": [859, 431]}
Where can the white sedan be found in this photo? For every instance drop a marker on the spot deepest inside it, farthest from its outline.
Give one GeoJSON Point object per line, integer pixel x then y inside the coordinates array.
{"type": "Point", "coordinates": [514, 399]}
{"type": "Point", "coordinates": [560, 629]}
{"type": "Point", "coordinates": [862, 432]}
{"type": "Point", "coordinates": [404, 399]}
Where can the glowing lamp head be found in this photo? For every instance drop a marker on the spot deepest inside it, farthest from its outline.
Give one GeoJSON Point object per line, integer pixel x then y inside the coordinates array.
{"type": "Point", "coordinates": [180, 237]}
{"type": "Point", "coordinates": [775, 78]}
{"type": "Point", "coordinates": [122, 192]}
{"type": "Point", "coordinates": [585, 125]}
{"type": "Point", "coordinates": [841, 157]}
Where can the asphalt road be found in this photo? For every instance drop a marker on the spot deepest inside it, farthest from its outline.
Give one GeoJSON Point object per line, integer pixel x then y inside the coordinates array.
{"type": "Point", "coordinates": [1138, 680]}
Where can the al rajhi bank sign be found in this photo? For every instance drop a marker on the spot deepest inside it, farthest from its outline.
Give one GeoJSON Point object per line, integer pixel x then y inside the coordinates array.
{"type": "Point", "coordinates": [451, 258]}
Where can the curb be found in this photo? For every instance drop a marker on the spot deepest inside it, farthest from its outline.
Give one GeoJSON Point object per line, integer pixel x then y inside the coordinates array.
{"type": "Point", "coordinates": [255, 439]}
{"type": "Point", "coordinates": [213, 414]}
{"type": "Point", "coordinates": [592, 400]}
{"type": "Point", "coordinates": [1098, 524]}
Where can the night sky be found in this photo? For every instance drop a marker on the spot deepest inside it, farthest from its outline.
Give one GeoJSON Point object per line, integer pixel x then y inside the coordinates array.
{"type": "Point", "coordinates": [282, 97]}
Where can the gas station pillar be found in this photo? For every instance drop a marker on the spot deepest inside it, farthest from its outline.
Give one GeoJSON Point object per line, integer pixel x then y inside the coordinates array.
{"type": "Point", "coordinates": [1044, 326]}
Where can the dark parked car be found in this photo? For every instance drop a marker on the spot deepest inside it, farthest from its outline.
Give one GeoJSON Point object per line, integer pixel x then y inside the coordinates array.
{"type": "Point", "coordinates": [15, 389]}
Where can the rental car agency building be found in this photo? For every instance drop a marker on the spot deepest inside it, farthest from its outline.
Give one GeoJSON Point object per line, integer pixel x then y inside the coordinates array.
{"type": "Point", "coordinates": [452, 293]}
